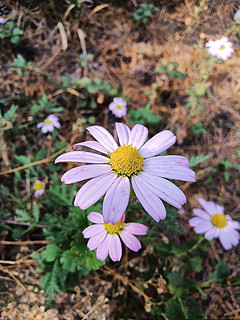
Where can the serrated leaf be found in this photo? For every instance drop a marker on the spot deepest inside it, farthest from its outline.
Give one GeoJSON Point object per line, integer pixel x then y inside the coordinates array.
{"type": "Point", "coordinates": [41, 154]}
{"type": "Point", "coordinates": [196, 263]}
{"type": "Point", "coordinates": [8, 116]}
{"type": "Point", "coordinates": [51, 252]}
{"type": "Point", "coordinates": [22, 159]}
{"type": "Point", "coordinates": [68, 262]}
{"type": "Point", "coordinates": [194, 161]}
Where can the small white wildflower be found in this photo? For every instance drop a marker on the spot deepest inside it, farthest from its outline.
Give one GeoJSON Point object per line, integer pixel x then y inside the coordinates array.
{"type": "Point", "coordinates": [118, 107]}
{"type": "Point", "coordinates": [39, 188]}
{"type": "Point", "coordinates": [49, 123]}
{"type": "Point", "coordinates": [221, 48]}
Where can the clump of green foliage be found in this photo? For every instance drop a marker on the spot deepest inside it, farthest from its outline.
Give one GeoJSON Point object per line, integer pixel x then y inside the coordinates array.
{"type": "Point", "coordinates": [9, 32]}
{"type": "Point", "coordinates": [145, 12]}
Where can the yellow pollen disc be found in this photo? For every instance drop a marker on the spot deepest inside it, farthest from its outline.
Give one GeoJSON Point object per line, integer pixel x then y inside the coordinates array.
{"type": "Point", "coordinates": [219, 220]}
{"type": "Point", "coordinates": [114, 228]}
{"type": "Point", "coordinates": [47, 121]}
{"type": "Point", "coordinates": [126, 161]}
{"type": "Point", "coordinates": [119, 106]}
{"type": "Point", "coordinates": [38, 185]}
{"type": "Point", "coordinates": [223, 47]}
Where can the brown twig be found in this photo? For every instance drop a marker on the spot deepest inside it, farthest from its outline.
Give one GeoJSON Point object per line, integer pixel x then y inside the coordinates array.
{"type": "Point", "coordinates": [22, 243]}
{"type": "Point", "coordinates": [32, 164]}
{"type": "Point", "coordinates": [14, 278]}
{"type": "Point", "coordinates": [128, 282]}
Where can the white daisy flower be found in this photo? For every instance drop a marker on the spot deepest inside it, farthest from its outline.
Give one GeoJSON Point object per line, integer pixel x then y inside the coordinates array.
{"type": "Point", "coordinates": [221, 48]}
{"type": "Point", "coordinates": [133, 163]}
{"type": "Point", "coordinates": [49, 123]}
{"type": "Point", "coordinates": [39, 188]}
{"type": "Point", "coordinates": [215, 224]}
{"type": "Point", "coordinates": [118, 107]}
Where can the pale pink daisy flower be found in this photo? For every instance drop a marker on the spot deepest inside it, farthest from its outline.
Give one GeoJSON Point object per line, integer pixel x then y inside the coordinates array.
{"type": "Point", "coordinates": [49, 124]}
{"type": "Point", "coordinates": [118, 107]}
{"type": "Point", "coordinates": [106, 237]}
{"type": "Point", "coordinates": [133, 162]}
{"type": "Point", "coordinates": [39, 188]}
{"type": "Point", "coordinates": [215, 224]}
{"type": "Point", "coordinates": [221, 48]}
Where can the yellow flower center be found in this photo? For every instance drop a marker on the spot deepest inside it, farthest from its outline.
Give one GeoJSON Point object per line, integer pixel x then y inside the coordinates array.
{"type": "Point", "coordinates": [38, 185]}
{"type": "Point", "coordinates": [114, 228]}
{"type": "Point", "coordinates": [223, 47]}
{"type": "Point", "coordinates": [126, 161]}
{"type": "Point", "coordinates": [47, 121]}
{"type": "Point", "coordinates": [219, 220]}
{"type": "Point", "coordinates": [119, 106]}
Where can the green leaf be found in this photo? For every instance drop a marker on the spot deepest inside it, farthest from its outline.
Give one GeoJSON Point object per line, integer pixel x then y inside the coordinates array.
{"type": "Point", "coordinates": [8, 116]}
{"type": "Point", "coordinates": [197, 128]}
{"type": "Point", "coordinates": [68, 261]}
{"type": "Point", "coordinates": [49, 282]}
{"type": "Point", "coordinates": [41, 154]}
{"type": "Point", "coordinates": [51, 252]}
{"type": "Point", "coordinates": [194, 161]}
{"type": "Point", "coordinates": [196, 263]}
{"type": "Point", "coordinates": [174, 311]}
{"type": "Point", "coordinates": [22, 159]}
{"type": "Point", "coordinates": [23, 216]}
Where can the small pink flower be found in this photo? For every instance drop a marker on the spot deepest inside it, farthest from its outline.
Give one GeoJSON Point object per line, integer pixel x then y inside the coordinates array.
{"type": "Point", "coordinates": [118, 107]}
{"type": "Point", "coordinates": [49, 124]}
{"type": "Point", "coordinates": [39, 188]}
{"type": "Point", "coordinates": [220, 48]}
{"type": "Point", "coordinates": [2, 20]}
{"type": "Point", "coordinates": [106, 237]}
{"type": "Point", "coordinates": [133, 163]}
{"type": "Point", "coordinates": [215, 224]}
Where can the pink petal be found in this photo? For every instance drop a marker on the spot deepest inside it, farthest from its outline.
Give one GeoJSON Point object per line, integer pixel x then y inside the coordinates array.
{"type": "Point", "coordinates": [95, 241]}
{"type": "Point", "coordinates": [103, 248]}
{"type": "Point", "coordinates": [52, 117]}
{"type": "Point", "coordinates": [115, 247]}
{"type": "Point", "coordinates": [208, 206]}
{"type": "Point", "coordinates": [85, 172]}
{"type": "Point", "coordinates": [81, 156]}
{"type": "Point", "coordinates": [226, 240]}
{"type": "Point", "coordinates": [39, 125]}
{"type": "Point", "coordinates": [203, 226]}
{"type": "Point", "coordinates": [103, 137]}
{"type": "Point", "coordinates": [178, 161]}
{"type": "Point", "coordinates": [116, 200]}
{"type": "Point", "coordinates": [150, 202]}
{"type": "Point", "coordinates": [195, 221]}
{"type": "Point", "coordinates": [232, 223]}
{"type": "Point", "coordinates": [130, 241]}
{"type": "Point", "coordinates": [93, 230]}
{"type": "Point", "coordinates": [95, 217]}
{"type": "Point", "coordinates": [93, 190]}
{"type": "Point", "coordinates": [170, 171]}
{"type": "Point", "coordinates": [138, 136]}
{"type": "Point", "coordinates": [123, 133]}
{"type": "Point", "coordinates": [201, 214]}
{"type": "Point", "coordinates": [91, 144]}
{"type": "Point", "coordinates": [157, 144]}
{"type": "Point", "coordinates": [135, 228]}
{"type": "Point", "coordinates": [163, 188]}
{"type": "Point", "coordinates": [212, 233]}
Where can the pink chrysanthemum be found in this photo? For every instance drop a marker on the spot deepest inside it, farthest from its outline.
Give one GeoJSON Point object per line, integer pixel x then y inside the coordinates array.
{"type": "Point", "coordinates": [118, 107]}
{"type": "Point", "coordinates": [221, 48]}
{"type": "Point", "coordinates": [49, 124]}
{"type": "Point", "coordinates": [106, 237]}
{"type": "Point", "coordinates": [133, 161]}
{"type": "Point", "coordinates": [215, 224]}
